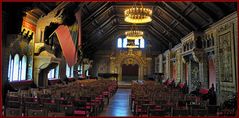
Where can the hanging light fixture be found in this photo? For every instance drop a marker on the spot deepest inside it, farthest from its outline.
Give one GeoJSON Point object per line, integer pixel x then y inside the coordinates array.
{"type": "Point", "coordinates": [134, 34]}
{"type": "Point", "coordinates": [138, 15]}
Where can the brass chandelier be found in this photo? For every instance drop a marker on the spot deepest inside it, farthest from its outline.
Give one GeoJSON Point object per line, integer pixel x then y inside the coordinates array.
{"type": "Point", "coordinates": [134, 34]}
{"type": "Point", "coordinates": [138, 14]}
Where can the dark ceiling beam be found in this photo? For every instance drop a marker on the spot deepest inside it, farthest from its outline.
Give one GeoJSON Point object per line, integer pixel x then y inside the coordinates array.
{"type": "Point", "coordinates": [106, 34]}
{"type": "Point", "coordinates": [95, 22]}
{"type": "Point", "coordinates": [169, 27]}
{"type": "Point", "coordinates": [218, 10]}
{"type": "Point", "coordinates": [180, 15]}
{"type": "Point", "coordinates": [160, 36]}
{"type": "Point", "coordinates": [128, 26]}
{"type": "Point", "coordinates": [98, 11]}
{"type": "Point", "coordinates": [209, 18]}
{"type": "Point", "coordinates": [99, 38]}
{"type": "Point", "coordinates": [113, 34]}
{"type": "Point", "coordinates": [166, 33]}
{"type": "Point", "coordinates": [153, 37]}
{"type": "Point", "coordinates": [97, 44]}
{"type": "Point", "coordinates": [101, 26]}
{"type": "Point", "coordinates": [175, 19]}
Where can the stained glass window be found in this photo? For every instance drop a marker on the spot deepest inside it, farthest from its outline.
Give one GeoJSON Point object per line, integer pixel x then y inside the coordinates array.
{"type": "Point", "coordinates": [24, 68]}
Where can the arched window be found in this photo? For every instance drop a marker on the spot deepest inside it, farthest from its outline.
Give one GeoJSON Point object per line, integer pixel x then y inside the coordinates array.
{"type": "Point", "coordinates": [80, 69]}
{"type": "Point", "coordinates": [136, 41]}
{"type": "Point", "coordinates": [9, 67]}
{"type": "Point", "coordinates": [24, 68]}
{"type": "Point", "coordinates": [122, 43]}
{"type": "Point", "coordinates": [51, 74]}
{"type": "Point", "coordinates": [125, 42]}
{"type": "Point", "coordinates": [20, 71]}
{"type": "Point", "coordinates": [119, 43]}
{"type": "Point", "coordinates": [87, 72]}
{"type": "Point", "coordinates": [68, 71]}
{"type": "Point", "coordinates": [57, 72]}
{"type": "Point", "coordinates": [11, 71]}
{"type": "Point", "coordinates": [72, 71]}
{"type": "Point", "coordinates": [16, 67]}
{"type": "Point", "coordinates": [141, 43]}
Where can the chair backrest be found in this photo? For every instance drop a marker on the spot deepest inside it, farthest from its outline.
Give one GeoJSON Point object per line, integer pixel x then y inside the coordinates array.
{"type": "Point", "coordinates": [180, 112]}
{"type": "Point", "coordinates": [68, 109]}
{"type": "Point", "coordinates": [51, 107]}
{"type": "Point", "coordinates": [31, 112]}
{"type": "Point", "coordinates": [32, 105]}
{"type": "Point", "coordinates": [13, 112]}
{"type": "Point", "coordinates": [13, 98]}
{"type": "Point", "coordinates": [56, 114]}
{"type": "Point", "coordinates": [212, 110]}
{"type": "Point", "coordinates": [13, 104]}
{"type": "Point", "coordinates": [157, 113]}
{"type": "Point", "coordinates": [80, 104]}
{"type": "Point", "coordinates": [199, 112]}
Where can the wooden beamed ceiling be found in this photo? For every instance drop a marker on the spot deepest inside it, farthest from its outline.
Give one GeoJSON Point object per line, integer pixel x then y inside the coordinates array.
{"type": "Point", "coordinates": [171, 21]}
{"type": "Point", "coordinates": [103, 21]}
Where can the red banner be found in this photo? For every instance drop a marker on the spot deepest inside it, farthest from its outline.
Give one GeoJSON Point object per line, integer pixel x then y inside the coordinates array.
{"type": "Point", "coordinates": [67, 44]}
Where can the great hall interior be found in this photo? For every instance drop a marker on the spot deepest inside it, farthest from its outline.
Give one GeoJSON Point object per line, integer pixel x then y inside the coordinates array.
{"type": "Point", "coordinates": [119, 59]}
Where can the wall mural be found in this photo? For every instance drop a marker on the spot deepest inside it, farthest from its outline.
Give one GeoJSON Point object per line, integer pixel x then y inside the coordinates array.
{"type": "Point", "coordinates": [194, 75]}
{"type": "Point", "coordinates": [225, 60]}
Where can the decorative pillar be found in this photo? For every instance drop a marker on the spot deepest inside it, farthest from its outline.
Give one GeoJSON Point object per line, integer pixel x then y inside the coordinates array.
{"type": "Point", "coordinates": [149, 62]}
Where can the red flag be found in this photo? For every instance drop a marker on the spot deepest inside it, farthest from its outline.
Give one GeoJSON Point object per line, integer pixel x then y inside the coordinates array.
{"type": "Point", "coordinates": [67, 44]}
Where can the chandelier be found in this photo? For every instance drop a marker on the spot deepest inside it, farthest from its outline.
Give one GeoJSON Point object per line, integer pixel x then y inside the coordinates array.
{"type": "Point", "coordinates": [138, 15]}
{"type": "Point", "coordinates": [134, 34]}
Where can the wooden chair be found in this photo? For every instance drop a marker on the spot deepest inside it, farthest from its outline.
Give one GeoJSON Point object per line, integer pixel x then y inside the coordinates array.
{"type": "Point", "coordinates": [55, 114]}
{"type": "Point", "coordinates": [50, 107]}
{"type": "Point", "coordinates": [13, 112]}
{"type": "Point", "coordinates": [199, 112]}
{"type": "Point", "coordinates": [68, 109]}
{"type": "Point", "coordinates": [13, 104]}
{"type": "Point", "coordinates": [212, 110]}
{"type": "Point", "coordinates": [180, 112]}
{"type": "Point", "coordinates": [80, 108]}
{"type": "Point", "coordinates": [157, 113]}
{"type": "Point", "coordinates": [31, 112]}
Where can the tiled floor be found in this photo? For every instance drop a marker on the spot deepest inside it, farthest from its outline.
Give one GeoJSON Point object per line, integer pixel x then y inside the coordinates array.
{"type": "Point", "coordinates": [119, 104]}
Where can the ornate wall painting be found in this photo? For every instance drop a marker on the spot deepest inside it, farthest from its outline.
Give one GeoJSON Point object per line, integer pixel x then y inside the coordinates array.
{"type": "Point", "coordinates": [225, 57]}
{"type": "Point", "coordinates": [194, 75]}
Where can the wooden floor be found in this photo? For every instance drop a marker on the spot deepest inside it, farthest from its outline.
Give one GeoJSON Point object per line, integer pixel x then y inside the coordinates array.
{"type": "Point", "coordinates": [119, 104]}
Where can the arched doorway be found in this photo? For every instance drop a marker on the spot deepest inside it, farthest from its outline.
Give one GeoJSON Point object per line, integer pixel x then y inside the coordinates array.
{"type": "Point", "coordinates": [130, 72]}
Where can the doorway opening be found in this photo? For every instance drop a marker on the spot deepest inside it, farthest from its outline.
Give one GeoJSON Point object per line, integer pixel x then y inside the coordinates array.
{"type": "Point", "coordinates": [130, 72]}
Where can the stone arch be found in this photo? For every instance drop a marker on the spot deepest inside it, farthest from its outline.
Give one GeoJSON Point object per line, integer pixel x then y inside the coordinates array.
{"type": "Point", "coordinates": [138, 59]}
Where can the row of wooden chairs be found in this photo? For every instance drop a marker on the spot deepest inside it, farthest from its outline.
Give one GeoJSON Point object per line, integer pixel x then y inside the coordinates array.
{"type": "Point", "coordinates": [90, 100]}
{"type": "Point", "coordinates": [150, 99]}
